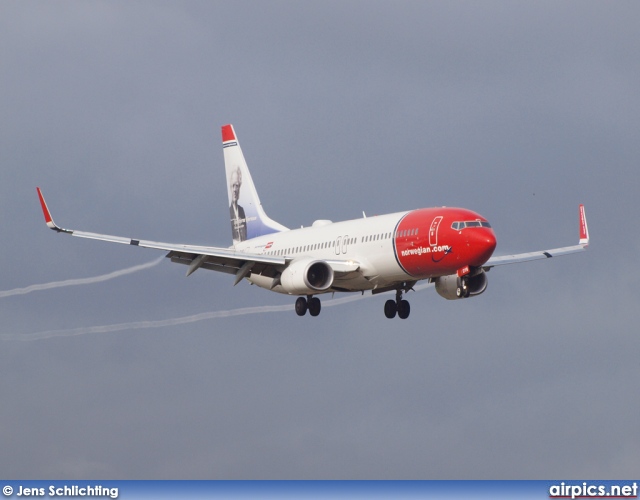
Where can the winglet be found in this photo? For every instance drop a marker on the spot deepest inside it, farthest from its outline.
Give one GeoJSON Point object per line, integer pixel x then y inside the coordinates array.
{"type": "Point", "coordinates": [47, 214]}
{"type": "Point", "coordinates": [584, 229]}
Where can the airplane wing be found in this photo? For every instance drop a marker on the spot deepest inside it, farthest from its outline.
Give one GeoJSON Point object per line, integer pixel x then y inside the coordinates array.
{"type": "Point", "coordinates": [545, 254]}
{"type": "Point", "coordinates": [224, 260]}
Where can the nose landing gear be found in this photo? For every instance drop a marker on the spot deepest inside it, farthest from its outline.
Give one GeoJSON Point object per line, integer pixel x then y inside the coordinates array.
{"type": "Point", "coordinates": [463, 290]}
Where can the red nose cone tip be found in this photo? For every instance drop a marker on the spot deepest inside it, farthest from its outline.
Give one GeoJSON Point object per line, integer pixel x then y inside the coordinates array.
{"type": "Point", "coordinates": [484, 244]}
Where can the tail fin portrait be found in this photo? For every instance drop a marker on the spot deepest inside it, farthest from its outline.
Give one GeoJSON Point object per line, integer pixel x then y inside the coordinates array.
{"type": "Point", "coordinates": [248, 219]}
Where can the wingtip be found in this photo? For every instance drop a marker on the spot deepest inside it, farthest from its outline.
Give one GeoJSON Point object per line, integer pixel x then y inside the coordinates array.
{"type": "Point", "coordinates": [45, 210]}
{"type": "Point", "coordinates": [584, 228]}
{"type": "Point", "coordinates": [47, 214]}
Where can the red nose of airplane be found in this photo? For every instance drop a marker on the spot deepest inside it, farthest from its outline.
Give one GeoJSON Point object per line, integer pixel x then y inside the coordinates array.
{"type": "Point", "coordinates": [482, 242]}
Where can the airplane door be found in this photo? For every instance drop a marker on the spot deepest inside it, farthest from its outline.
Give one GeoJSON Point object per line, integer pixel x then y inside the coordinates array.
{"type": "Point", "coordinates": [433, 231]}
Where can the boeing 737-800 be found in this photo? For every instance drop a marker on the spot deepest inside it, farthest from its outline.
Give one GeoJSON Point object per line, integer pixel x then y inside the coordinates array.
{"type": "Point", "coordinates": [450, 247]}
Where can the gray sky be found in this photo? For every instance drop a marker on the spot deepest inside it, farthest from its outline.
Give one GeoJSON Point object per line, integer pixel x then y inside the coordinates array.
{"type": "Point", "coordinates": [518, 110]}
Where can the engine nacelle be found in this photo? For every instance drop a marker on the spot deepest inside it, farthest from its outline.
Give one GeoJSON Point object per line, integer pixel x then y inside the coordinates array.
{"type": "Point", "coordinates": [446, 286]}
{"type": "Point", "coordinates": [306, 276]}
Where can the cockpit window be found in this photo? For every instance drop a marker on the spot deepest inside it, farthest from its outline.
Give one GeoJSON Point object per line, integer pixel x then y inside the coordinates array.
{"type": "Point", "coordinates": [473, 223]}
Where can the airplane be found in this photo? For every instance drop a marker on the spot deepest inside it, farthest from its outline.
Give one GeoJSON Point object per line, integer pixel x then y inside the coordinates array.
{"type": "Point", "coordinates": [450, 247]}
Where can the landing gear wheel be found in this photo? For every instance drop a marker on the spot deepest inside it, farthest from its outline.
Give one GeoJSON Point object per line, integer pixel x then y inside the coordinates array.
{"type": "Point", "coordinates": [390, 309]}
{"type": "Point", "coordinates": [301, 306]}
{"type": "Point", "coordinates": [463, 288]}
{"type": "Point", "coordinates": [314, 306]}
{"type": "Point", "coordinates": [404, 308]}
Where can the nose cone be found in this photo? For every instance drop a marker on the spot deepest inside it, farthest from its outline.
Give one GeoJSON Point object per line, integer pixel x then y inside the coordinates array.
{"type": "Point", "coordinates": [483, 243]}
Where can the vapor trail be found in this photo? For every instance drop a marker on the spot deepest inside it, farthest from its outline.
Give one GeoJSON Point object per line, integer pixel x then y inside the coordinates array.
{"type": "Point", "coordinates": [80, 281]}
{"type": "Point", "coordinates": [138, 325]}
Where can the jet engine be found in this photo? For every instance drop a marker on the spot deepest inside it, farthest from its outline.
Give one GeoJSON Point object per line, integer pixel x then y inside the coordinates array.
{"type": "Point", "coordinates": [306, 276]}
{"type": "Point", "coordinates": [447, 286]}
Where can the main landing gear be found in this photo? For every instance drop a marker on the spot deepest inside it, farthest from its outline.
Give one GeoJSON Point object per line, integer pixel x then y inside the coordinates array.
{"type": "Point", "coordinates": [312, 304]}
{"type": "Point", "coordinates": [398, 306]}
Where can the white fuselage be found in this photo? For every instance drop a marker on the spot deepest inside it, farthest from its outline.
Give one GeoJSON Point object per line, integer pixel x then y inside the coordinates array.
{"type": "Point", "coordinates": [368, 241]}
